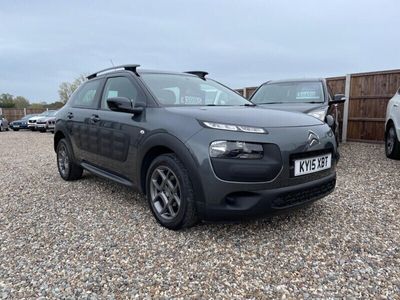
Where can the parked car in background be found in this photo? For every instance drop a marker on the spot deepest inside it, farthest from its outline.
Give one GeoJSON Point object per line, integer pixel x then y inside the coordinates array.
{"type": "Point", "coordinates": [47, 123]}
{"type": "Point", "coordinates": [3, 123]}
{"type": "Point", "coordinates": [21, 124]}
{"type": "Point", "coordinates": [392, 128]}
{"type": "Point", "coordinates": [195, 156]}
{"type": "Point", "coordinates": [32, 121]}
{"type": "Point", "coordinates": [310, 96]}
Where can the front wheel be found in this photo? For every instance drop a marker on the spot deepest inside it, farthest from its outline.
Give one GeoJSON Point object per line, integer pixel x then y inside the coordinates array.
{"type": "Point", "coordinates": [170, 194]}
{"type": "Point", "coordinates": [392, 145]}
{"type": "Point", "coordinates": [66, 167]}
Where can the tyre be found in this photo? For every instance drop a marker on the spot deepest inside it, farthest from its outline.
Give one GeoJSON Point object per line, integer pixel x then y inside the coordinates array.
{"type": "Point", "coordinates": [392, 145]}
{"type": "Point", "coordinates": [66, 167]}
{"type": "Point", "coordinates": [169, 193]}
{"type": "Point", "coordinates": [15, 129]}
{"type": "Point", "coordinates": [1, 128]}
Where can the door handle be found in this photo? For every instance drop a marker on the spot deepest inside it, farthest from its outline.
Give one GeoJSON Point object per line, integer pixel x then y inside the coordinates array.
{"type": "Point", "coordinates": [70, 115]}
{"type": "Point", "coordinates": [95, 118]}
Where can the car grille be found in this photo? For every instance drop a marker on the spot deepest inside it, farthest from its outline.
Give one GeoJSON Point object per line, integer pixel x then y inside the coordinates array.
{"type": "Point", "coordinates": [32, 121]}
{"type": "Point", "coordinates": [304, 195]}
{"type": "Point", "coordinates": [40, 122]}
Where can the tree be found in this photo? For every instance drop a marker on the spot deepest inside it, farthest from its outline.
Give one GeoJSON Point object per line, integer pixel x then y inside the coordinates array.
{"type": "Point", "coordinates": [66, 89]}
{"type": "Point", "coordinates": [6, 101]}
{"type": "Point", "coordinates": [21, 102]}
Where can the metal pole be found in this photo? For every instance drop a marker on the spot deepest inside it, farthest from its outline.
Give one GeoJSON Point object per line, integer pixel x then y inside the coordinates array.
{"type": "Point", "coordinates": [346, 108]}
{"type": "Point", "coordinates": [245, 92]}
{"type": "Point", "coordinates": [24, 111]}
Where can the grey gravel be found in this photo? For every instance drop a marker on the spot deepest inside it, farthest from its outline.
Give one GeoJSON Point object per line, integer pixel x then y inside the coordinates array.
{"type": "Point", "coordinates": [94, 239]}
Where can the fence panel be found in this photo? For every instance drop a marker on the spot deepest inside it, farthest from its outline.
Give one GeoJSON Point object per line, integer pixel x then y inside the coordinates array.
{"type": "Point", "coordinates": [337, 86]}
{"type": "Point", "coordinates": [369, 95]}
{"type": "Point", "coordinates": [13, 114]}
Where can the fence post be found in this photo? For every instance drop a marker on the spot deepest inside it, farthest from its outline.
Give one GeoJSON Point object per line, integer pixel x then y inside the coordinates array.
{"type": "Point", "coordinates": [346, 108]}
{"type": "Point", "coordinates": [24, 111]}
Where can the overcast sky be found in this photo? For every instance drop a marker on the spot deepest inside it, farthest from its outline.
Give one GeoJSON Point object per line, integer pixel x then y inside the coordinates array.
{"type": "Point", "coordinates": [240, 43]}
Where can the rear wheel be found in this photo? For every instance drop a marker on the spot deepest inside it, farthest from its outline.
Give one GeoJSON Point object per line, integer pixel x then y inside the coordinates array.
{"type": "Point", "coordinates": [170, 193]}
{"type": "Point", "coordinates": [392, 145]}
{"type": "Point", "coordinates": [1, 128]}
{"type": "Point", "coordinates": [66, 167]}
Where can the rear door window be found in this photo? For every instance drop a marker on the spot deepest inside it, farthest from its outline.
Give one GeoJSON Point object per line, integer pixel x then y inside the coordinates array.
{"type": "Point", "coordinates": [85, 97]}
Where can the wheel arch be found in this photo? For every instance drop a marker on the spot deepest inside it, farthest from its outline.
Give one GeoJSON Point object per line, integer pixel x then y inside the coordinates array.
{"type": "Point", "coordinates": [58, 136]}
{"type": "Point", "coordinates": [162, 143]}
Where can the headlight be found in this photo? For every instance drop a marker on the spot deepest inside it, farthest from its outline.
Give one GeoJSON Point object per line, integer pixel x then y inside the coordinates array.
{"type": "Point", "coordinates": [319, 114]}
{"type": "Point", "coordinates": [242, 150]}
{"type": "Point", "coordinates": [231, 127]}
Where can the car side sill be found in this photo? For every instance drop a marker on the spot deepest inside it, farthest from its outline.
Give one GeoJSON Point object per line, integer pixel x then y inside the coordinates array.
{"type": "Point", "coordinates": [105, 174]}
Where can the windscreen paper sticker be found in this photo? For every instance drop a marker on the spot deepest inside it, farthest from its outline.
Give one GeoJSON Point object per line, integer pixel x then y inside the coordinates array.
{"type": "Point", "coordinates": [192, 100]}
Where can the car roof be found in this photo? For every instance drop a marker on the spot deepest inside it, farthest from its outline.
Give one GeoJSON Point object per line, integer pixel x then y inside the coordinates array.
{"type": "Point", "coordinates": [144, 71]}
{"type": "Point", "coordinates": [133, 68]}
{"type": "Point", "coordinates": [297, 80]}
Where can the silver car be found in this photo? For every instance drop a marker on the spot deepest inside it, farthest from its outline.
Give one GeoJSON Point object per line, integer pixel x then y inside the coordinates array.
{"type": "Point", "coordinates": [3, 123]}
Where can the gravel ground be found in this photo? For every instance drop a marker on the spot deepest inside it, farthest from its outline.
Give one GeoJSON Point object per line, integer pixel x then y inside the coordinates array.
{"type": "Point", "coordinates": [96, 239]}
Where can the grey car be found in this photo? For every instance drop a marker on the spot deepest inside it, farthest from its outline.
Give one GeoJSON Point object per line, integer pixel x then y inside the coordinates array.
{"type": "Point", "coordinates": [195, 148]}
{"type": "Point", "coordinates": [3, 123]}
{"type": "Point", "coordinates": [311, 96]}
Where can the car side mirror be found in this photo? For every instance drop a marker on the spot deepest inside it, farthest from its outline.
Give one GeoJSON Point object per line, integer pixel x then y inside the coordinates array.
{"type": "Point", "coordinates": [337, 99]}
{"type": "Point", "coordinates": [123, 104]}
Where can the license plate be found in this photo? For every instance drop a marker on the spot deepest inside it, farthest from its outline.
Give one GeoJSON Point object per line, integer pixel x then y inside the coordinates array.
{"type": "Point", "coordinates": [16, 126]}
{"type": "Point", "coordinates": [312, 164]}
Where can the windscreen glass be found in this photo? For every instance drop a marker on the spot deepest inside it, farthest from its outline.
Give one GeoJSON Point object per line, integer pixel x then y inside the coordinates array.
{"type": "Point", "coordinates": [182, 90]}
{"type": "Point", "coordinates": [290, 92]}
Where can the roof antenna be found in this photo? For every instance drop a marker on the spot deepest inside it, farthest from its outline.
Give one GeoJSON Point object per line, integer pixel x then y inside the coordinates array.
{"type": "Point", "coordinates": [112, 62]}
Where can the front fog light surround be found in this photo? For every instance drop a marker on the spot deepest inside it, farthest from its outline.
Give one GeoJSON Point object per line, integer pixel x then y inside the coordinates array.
{"type": "Point", "coordinates": [231, 127]}
{"type": "Point", "coordinates": [236, 150]}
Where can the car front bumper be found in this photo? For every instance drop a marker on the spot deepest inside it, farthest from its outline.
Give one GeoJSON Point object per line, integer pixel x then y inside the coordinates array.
{"type": "Point", "coordinates": [224, 199]}
{"type": "Point", "coordinates": [244, 205]}
{"type": "Point", "coordinates": [41, 126]}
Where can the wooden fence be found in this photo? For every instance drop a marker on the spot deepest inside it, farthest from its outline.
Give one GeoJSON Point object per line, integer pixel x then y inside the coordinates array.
{"type": "Point", "coordinates": [362, 117]}
{"type": "Point", "coordinates": [12, 114]}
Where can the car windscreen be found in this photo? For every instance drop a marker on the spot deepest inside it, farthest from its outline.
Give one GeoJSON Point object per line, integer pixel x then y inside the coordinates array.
{"type": "Point", "coordinates": [52, 113]}
{"type": "Point", "coordinates": [27, 117]}
{"type": "Point", "coordinates": [290, 92]}
{"type": "Point", "coordinates": [188, 90]}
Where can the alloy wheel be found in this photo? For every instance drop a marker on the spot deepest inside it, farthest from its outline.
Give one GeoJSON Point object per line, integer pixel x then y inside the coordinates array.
{"type": "Point", "coordinates": [63, 160]}
{"type": "Point", "coordinates": [390, 140]}
{"type": "Point", "coordinates": [165, 192]}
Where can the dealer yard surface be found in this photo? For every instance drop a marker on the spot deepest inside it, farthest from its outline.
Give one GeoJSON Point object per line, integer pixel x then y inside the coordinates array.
{"type": "Point", "coordinates": [96, 239]}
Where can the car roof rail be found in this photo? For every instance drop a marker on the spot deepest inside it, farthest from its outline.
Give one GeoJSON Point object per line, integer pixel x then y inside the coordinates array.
{"type": "Point", "coordinates": [131, 68]}
{"type": "Point", "coordinates": [201, 74]}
